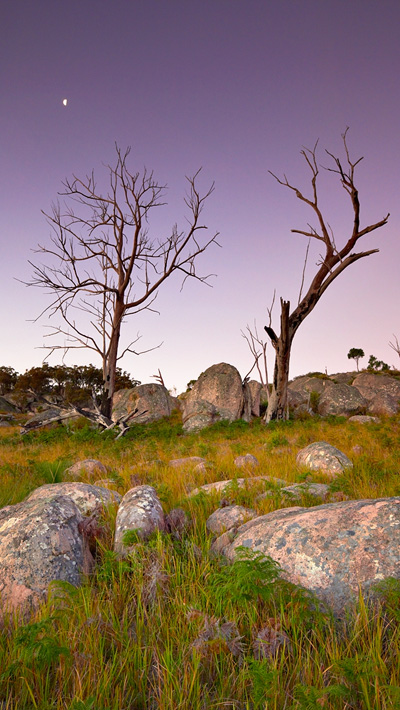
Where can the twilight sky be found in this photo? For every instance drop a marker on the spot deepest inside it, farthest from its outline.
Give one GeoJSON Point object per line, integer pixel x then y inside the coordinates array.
{"type": "Point", "coordinates": [237, 87]}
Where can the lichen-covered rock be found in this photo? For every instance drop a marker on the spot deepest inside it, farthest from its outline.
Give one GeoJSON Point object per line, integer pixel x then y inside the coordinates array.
{"type": "Point", "coordinates": [332, 549]}
{"type": "Point", "coordinates": [219, 386]}
{"type": "Point", "coordinates": [86, 497]}
{"type": "Point", "coordinates": [140, 510]}
{"type": "Point", "coordinates": [40, 542]}
{"type": "Point", "coordinates": [321, 456]}
{"type": "Point", "coordinates": [153, 401]}
{"type": "Point", "coordinates": [341, 400]}
{"type": "Point", "coordinates": [246, 461]}
{"type": "Point", "coordinates": [87, 468]}
{"type": "Point", "coordinates": [231, 516]}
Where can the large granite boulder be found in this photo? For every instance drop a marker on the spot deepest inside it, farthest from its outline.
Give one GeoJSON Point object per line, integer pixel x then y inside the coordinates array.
{"type": "Point", "coordinates": [324, 457]}
{"type": "Point", "coordinates": [370, 385]}
{"type": "Point", "coordinates": [255, 397]}
{"type": "Point", "coordinates": [153, 401]}
{"type": "Point", "coordinates": [141, 511]}
{"type": "Point", "coordinates": [332, 549]}
{"type": "Point", "coordinates": [342, 400]}
{"type": "Point", "coordinates": [220, 389]}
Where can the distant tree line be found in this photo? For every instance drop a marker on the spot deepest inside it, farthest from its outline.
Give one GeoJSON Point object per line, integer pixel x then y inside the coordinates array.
{"type": "Point", "coordinates": [73, 385]}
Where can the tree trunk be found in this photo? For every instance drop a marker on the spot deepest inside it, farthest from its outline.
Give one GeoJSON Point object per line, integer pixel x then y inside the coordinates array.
{"type": "Point", "coordinates": [110, 366]}
{"type": "Point", "coordinates": [277, 403]}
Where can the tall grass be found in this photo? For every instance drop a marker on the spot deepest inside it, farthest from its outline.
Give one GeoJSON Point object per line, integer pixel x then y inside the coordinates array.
{"type": "Point", "coordinates": [172, 626]}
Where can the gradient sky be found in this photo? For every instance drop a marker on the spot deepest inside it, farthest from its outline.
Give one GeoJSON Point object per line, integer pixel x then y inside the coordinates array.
{"type": "Point", "coordinates": [237, 87]}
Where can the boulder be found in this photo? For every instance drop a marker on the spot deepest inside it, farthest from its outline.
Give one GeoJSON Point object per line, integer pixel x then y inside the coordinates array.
{"type": "Point", "coordinates": [306, 384]}
{"type": "Point", "coordinates": [222, 486]}
{"type": "Point", "coordinates": [341, 399]}
{"type": "Point", "coordinates": [198, 414]}
{"type": "Point", "coordinates": [255, 396]}
{"type": "Point", "coordinates": [229, 517]}
{"type": "Point", "coordinates": [219, 386]}
{"type": "Point", "coordinates": [86, 468]}
{"type": "Point", "coordinates": [321, 456]}
{"type": "Point", "coordinates": [140, 510]}
{"type": "Point", "coordinates": [370, 384]}
{"type": "Point", "coordinates": [384, 404]}
{"type": "Point", "coordinates": [331, 549]}
{"type": "Point", "coordinates": [363, 419]}
{"type": "Point", "coordinates": [152, 401]}
{"type": "Point", "coordinates": [40, 542]}
{"type": "Point", "coordinates": [86, 497]}
{"type": "Point", "coordinates": [6, 406]}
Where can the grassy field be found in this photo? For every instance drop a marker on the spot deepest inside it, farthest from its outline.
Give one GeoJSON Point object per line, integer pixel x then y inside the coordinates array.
{"type": "Point", "coordinates": [172, 626]}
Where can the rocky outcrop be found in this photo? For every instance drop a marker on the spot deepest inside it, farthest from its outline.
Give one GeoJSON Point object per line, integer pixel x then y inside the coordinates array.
{"type": "Point", "coordinates": [217, 394]}
{"type": "Point", "coordinates": [140, 511]}
{"type": "Point", "coordinates": [152, 401]}
{"type": "Point", "coordinates": [332, 550]}
{"type": "Point", "coordinates": [321, 456]}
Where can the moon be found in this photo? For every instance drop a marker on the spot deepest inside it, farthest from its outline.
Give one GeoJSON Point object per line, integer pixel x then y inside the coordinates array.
{"type": "Point", "coordinates": [65, 101]}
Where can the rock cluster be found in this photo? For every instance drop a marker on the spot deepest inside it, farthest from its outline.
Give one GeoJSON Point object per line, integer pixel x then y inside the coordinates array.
{"type": "Point", "coordinates": [333, 549]}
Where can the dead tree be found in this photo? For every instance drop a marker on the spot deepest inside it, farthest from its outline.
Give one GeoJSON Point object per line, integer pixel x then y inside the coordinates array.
{"type": "Point", "coordinates": [104, 262]}
{"type": "Point", "coordinates": [395, 345]}
{"type": "Point", "coordinates": [332, 263]}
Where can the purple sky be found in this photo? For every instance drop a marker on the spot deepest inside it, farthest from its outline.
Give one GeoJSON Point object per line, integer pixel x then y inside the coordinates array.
{"type": "Point", "coordinates": [235, 86]}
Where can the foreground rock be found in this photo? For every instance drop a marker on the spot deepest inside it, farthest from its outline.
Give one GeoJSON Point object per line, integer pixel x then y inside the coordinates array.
{"type": "Point", "coordinates": [42, 541]}
{"type": "Point", "coordinates": [141, 511]}
{"type": "Point", "coordinates": [332, 550]}
{"type": "Point", "coordinates": [321, 456]}
{"type": "Point", "coordinates": [217, 394]}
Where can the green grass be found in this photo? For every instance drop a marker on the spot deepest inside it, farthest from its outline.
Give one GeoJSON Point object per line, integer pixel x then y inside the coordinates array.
{"type": "Point", "coordinates": [171, 626]}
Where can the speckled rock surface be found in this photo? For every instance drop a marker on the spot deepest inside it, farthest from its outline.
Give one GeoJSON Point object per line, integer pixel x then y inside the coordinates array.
{"type": "Point", "coordinates": [86, 497]}
{"type": "Point", "coordinates": [198, 414]}
{"type": "Point", "coordinates": [86, 468]}
{"type": "Point", "coordinates": [140, 510]}
{"type": "Point", "coordinates": [232, 516]}
{"type": "Point", "coordinates": [321, 456]}
{"type": "Point", "coordinates": [330, 549]}
{"type": "Point", "coordinates": [341, 400]}
{"type": "Point", "coordinates": [363, 419]}
{"type": "Point", "coordinates": [220, 386]}
{"type": "Point", "coordinates": [315, 490]}
{"type": "Point", "coordinates": [40, 542]}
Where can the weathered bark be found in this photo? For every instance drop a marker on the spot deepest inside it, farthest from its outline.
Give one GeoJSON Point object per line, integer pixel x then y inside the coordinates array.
{"type": "Point", "coordinates": [277, 402]}
{"type": "Point", "coordinates": [330, 266]}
